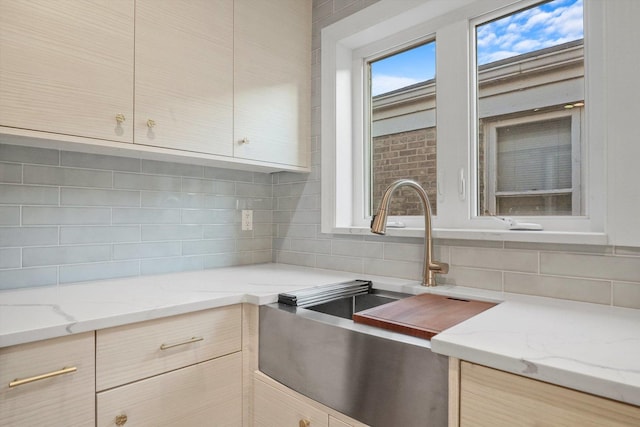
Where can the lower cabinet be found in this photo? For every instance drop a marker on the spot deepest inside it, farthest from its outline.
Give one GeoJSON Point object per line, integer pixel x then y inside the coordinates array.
{"type": "Point", "coordinates": [489, 397]}
{"type": "Point", "coordinates": [48, 383]}
{"type": "Point", "coordinates": [183, 370]}
{"type": "Point", "coordinates": [275, 405]}
{"type": "Point", "coordinates": [206, 394]}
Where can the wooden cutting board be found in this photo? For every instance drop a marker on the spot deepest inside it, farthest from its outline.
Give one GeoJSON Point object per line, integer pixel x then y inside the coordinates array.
{"type": "Point", "coordinates": [423, 315]}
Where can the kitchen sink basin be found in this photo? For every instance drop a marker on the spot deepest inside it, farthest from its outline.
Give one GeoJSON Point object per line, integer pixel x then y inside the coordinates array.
{"type": "Point", "coordinates": [379, 377]}
{"type": "Point", "coordinates": [345, 307]}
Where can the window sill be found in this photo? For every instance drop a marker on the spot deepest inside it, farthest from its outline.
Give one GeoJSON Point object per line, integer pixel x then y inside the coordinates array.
{"type": "Point", "coordinates": [487, 234]}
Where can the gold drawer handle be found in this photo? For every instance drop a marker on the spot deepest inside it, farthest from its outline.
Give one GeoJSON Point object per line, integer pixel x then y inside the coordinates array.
{"type": "Point", "coordinates": [189, 341]}
{"type": "Point", "coordinates": [121, 419]}
{"type": "Point", "coordinates": [304, 423]}
{"type": "Point", "coordinates": [17, 382]}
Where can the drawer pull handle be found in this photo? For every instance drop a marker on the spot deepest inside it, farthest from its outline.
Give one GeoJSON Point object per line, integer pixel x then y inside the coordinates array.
{"type": "Point", "coordinates": [304, 423]}
{"type": "Point", "coordinates": [189, 341]}
{"type": "Point", "coordinates": [17, 382]}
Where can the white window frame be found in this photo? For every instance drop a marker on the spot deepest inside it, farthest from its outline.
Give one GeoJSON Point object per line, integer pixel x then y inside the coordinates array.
{"type": "Point", "coordinates": [491, 156]}
{"type": "Point", "coordinates": [390, 24]}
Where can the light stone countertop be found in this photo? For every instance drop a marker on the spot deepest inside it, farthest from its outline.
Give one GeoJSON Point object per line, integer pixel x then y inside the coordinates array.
{"type": "Point", "coordinates": [587, 347]}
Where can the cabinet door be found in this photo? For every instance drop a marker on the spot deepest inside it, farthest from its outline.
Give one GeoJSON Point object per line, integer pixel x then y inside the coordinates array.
{"type": "Point", "coordinates": [273, 407]}
{"type": "Point", "coordinates": [206, 394]}
{"type": "Point", "coordinates": [184, 75]}
{"type": "Point", "coordinates": [493, 398]}
{"type": "Point", "coordinates": [48, 383]}
{"type": "Point", "coordinates": [272, 66]}
{"type": "Point", "coordinates": [66, 67]}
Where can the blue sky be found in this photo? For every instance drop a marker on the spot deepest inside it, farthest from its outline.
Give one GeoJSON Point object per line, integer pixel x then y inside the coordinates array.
{"type": "Point", "coordinates": [550, 24]}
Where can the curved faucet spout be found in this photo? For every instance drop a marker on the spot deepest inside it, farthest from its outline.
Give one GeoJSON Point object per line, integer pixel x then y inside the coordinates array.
{"type": "Point", "coordinates": [379, 226]}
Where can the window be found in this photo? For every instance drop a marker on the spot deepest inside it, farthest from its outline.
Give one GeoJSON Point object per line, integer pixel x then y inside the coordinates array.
{"type": "Point", "coordinates": [530, 94]}
{"type": "Point", "coordinates": [487, 116]}
{"type": "Point", "coordinates": [402, 127]}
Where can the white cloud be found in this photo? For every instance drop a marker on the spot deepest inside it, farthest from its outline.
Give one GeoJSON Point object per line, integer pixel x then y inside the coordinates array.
{"type": "Point", "coordinates": [384, 83]}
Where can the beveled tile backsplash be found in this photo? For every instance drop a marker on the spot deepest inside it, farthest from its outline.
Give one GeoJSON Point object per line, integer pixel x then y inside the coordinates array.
{"type": "Point", "coordinates": [67, 217]}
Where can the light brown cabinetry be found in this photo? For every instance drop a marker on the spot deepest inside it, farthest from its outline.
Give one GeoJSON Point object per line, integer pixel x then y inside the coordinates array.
{"type": "Point", "coordinates": [48, 383]}
{"type": "Point", "coordinates": [272, 64]}
{"type": "Point", "coordinates": [489, 397]}
{"type": "Point", "coordinates": [177, 370]}
{"type": "Point", "coordinates": [275, 405]}
{"type": "Point", "coordinates": [184, 75]}
{"type": "Point", "coordinates": [226, 81]}
{"type": "Point", "coordinates": [66, 67]}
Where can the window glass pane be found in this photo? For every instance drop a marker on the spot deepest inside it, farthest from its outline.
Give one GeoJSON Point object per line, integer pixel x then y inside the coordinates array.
{"type": "Point", "coordinates": [534, 156]}
{"type": "Point", "coordinates": [403, 127]}
{"type": "Point", "coordinates": [530, 64]}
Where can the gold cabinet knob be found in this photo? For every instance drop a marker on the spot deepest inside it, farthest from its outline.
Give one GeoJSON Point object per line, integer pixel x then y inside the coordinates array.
{"type": "Point", "coordinates": [121, 420]}
{"type": "Point", "coordinates": [304, 423]}
{"type": "Point", "coordinates": [151, 123]}
{"type": "Point", "coordinates": [120, 118]}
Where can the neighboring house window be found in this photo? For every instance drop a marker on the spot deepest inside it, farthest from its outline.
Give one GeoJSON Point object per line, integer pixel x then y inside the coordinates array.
{"type": "Point", "coordinates": [533, 165]}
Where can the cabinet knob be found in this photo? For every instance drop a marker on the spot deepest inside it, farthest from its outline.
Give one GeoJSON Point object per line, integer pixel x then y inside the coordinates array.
{"type": "Point", "coordinates": [151, 123]}
{"type": "Point", "coordinates": [120, 118]}
{"type": "Point", "coordinates": [244, 141]}
{"type": "Point", "coordinates": [121, 420]}
{"type": "Point", "coordinates": [304, 423]}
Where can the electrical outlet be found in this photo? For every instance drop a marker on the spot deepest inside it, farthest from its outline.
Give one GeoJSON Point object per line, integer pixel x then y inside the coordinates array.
{"type": "Point", "coordinates": [247, 220]}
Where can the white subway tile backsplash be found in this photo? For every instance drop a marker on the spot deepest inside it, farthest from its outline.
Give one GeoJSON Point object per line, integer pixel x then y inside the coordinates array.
{"type": "Point", "coordinates": [10, 172]}
{"type": "Point", "coordinates": [16, 194]}
{"type": "Point", "coordinates": [618, 268]}
{"type": "Point", "coordinates": [199, 247]}
{"type": "Point", "coordinates": [170, 168]}
{"type": "Point", "coordinates": [161, 199]}
{"type": "Point", "coordinates": [626, 294]}
{"type": "Point", "coordinates": [356, 248]}
{"type": "Point", "coordinates": [59, 255]}
{"type": "Point", "coordinates": [23, 154]}
{"type": "Point", "coordinates": [193, 185]}
{"type": "Point", "coordinates": [124, 251]}
{"type": "Point", "coordinates": [10, 258]}
{"type": "Point", "coordinates": [296, 258]}
{"type": "Point", "coordinates": [351, 264]}
{"type": "Point", "coordinates": [32, 215]}
{"type": "Point", "coordinates": [99, 161]}
{"type": "Point", "coordinates": [9, 215]}
{"type": "Point", "coordinates": [99, 234]}
{"type": "Point", "coordinates": [312, 245]}
{"type": "Point", "coordinates": [28, 277]}
{"type": "Point", "coordinates": [28, 236]}
{"type": "Point", "coordinates": [98, 271]}
{"type": "Point", "coordinates": [134, 181]}
{"type": "Point", "coordinates": [401, 269]}
{"type": "Point", "coordinates": [95, 197]}
{"type": "Point", "coordinates": [171, 232]}
{"type": "Point", "coordinates": [296, 230]}
{"type": "Point", "coordinates": [49, 175]}
{"type": "Point", "coordinates": [498, 259]}
{"type": "Point", "coordinates": [113, 217]}
{"type": "Point", "coordinates": [472, 277]}
{"type": "Point", "coordinates": [145, 216]}
{"type": "Point", "coordinates": [171, 265]}
{"type": "Point", "coordinates": [595, 291]}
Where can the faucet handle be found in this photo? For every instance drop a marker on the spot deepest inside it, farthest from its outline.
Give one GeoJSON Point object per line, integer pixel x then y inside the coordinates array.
{"type": "Point", "coordinates": [439, 267]}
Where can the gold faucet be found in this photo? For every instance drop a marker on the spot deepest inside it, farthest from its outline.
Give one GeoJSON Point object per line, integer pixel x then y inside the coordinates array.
{"type": "Point", "coordinates": [379, 226]}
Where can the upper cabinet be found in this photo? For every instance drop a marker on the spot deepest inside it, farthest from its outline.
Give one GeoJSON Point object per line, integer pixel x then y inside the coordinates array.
{"type": "Point", "coordinates": [184, 75]}
{"type": "Point", "coordinates": [219, 82]}
{"type": "Point", "coordinates": [66, 67]}
{"type": "Point", "coordinates": [272, 66]}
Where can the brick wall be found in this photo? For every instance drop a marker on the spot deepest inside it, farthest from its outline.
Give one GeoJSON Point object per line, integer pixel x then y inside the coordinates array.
{"type": "Point", "coordinates": [405, 155]}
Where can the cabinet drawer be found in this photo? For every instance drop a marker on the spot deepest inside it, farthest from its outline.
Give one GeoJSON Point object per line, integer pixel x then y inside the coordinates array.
{"type": "Point", "coordinates": [273, 407]}
{"type": "Point", "coordinates": [56, 396]}
{"type": "Point", "coordinates": [132, 352]}
{"type": "Point", "coordinates": [206, 394]}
